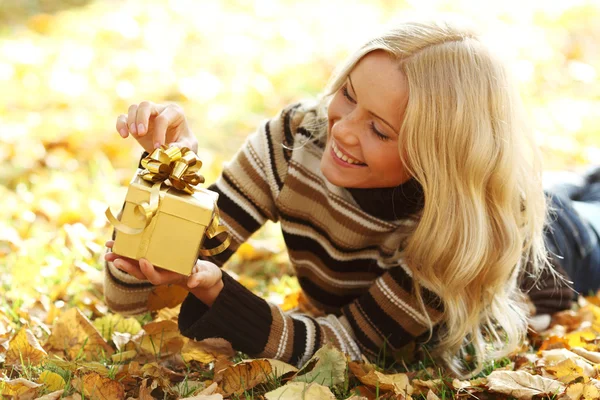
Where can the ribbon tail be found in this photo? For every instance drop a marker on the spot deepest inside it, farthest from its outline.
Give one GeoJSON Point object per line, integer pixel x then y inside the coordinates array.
{"type": "Point", "coordinates": [213, 230]}
{"type": "Point", "coordinates": [120, 226]}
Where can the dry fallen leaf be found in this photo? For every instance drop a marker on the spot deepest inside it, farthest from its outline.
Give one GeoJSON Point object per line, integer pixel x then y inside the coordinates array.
{"type": "Point", "coordinates": [19, 388]}
{"type": "Point", "coordinates": [398, 383]}
{"type": "Point", "coordinates": [582, 391]}
{"type": "Point", "coordinates": [115, 323]}
{"type": "Point", "coordinates": [74, 334]}
{"type": "Point", "coordinates": [97, 387]}
{"type": "Point", "coordinates": [194, 350]}
{"type": "Point", "coordinates": [161, 339]}
{"type": "Point", "coordinates": [24, 348]}
{"type": "Point", "coordinates": [166, 296]}
{"type": "Point", "coordinates": [52, 396]}
{"type": "Point", "coordinates": [51, 380]}
{"type": "Point", "coordinates": [244, 376]}
{"type": "Point", "coordinates": [326, 367]}
{"type": "Point", "coordinates": [566, 371]}
{"type": "Point", "coordinates": [300, 391]}
{"type": "Point", "coordinates": [522, 385]}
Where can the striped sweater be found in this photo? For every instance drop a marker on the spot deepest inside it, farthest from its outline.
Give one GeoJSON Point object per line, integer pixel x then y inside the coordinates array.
{"type": "Point", "coordinates": [344, 244]}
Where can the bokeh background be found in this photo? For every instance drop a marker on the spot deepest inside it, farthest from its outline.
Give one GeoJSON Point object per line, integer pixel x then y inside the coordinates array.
{"type": "Point", "coordinates": [69, 67]}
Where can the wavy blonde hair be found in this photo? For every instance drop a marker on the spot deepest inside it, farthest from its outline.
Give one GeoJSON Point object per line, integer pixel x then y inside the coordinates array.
{"type": "Point", "coordinates": [465, 140]}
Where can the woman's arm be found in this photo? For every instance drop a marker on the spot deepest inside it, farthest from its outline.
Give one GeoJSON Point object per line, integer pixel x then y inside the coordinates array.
{"type": "Point", "coordinates": [386, 317]}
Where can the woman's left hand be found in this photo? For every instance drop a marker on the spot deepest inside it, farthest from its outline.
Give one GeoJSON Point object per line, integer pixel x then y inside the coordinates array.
{"type": "Point", "coordinates": [205, 281]}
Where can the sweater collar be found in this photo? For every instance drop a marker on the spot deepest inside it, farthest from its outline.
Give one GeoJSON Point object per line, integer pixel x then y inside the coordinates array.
{"type": "Point", "coordinates": [392, 203]}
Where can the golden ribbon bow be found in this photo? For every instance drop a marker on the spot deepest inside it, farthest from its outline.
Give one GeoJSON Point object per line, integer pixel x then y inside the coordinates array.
{"type": "Point", "coordinates": [180, 167]}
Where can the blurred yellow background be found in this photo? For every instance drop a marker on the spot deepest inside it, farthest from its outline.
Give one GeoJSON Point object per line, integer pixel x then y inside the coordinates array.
{"type": "Point", "coordinates": [68, 68]}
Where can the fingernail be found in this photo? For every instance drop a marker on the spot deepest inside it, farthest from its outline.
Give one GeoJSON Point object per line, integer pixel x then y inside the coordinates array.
{"type": "Point", "coordinates": [118, 263]}
{"type": "Point", "coordinates": [123, 132]}
{"type": "Point", "coordinates": [132, 128]}
{"type": "Point", "coordinates": [156, 145]}
{"type": "Point", "coordinates": [141, 129]}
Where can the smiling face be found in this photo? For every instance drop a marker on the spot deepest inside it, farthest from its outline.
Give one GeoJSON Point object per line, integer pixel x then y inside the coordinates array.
{"type": "Point", "coordinates": [365, 116]}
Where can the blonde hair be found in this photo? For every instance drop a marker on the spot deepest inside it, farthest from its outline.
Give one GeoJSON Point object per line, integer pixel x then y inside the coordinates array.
{"type": "Point", "coordinates": [465, 141]}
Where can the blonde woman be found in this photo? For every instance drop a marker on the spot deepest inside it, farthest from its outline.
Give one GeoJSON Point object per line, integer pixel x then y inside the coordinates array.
{"type": "Point", "coordinates": [410, 200]}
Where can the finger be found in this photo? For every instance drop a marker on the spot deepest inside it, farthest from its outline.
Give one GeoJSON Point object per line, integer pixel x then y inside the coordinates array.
{"type": "Point", "coordinates": [110, 243]}
{"type": "Point", "coordinates": [131, 115]}
{"type": "Point", "coordinates": [170, 116]}
{"type": "Point", "coordinates": [142, 118]}
{"type": "Point", "coordinates": [205, 275]}
{"type": "Point", "coordinates": [122, 125]}
{"type": "Point", "coordinates": [129, 267]}
{"type": "Point", "coordinates": [156, 275]}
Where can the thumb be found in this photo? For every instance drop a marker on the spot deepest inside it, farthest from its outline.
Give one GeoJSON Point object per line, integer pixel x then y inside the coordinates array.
{"type": "Point", "coordinates": [205, 275]}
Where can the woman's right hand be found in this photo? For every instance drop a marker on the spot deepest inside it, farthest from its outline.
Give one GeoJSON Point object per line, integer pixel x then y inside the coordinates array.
{"type": "Point", "coordinates": [153, 125]}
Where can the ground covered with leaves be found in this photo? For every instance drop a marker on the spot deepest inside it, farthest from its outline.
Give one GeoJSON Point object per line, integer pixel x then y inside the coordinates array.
{"type": "Point", "coordinates": [69, 67]}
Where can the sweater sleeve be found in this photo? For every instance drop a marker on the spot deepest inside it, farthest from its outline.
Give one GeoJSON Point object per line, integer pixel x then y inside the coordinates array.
{"type": "Point", "coordinates": [247, 188]}
{"type": "Point", "coordinates": [550, 292]}
{"type": "Point", "coordinates": [387, 315]}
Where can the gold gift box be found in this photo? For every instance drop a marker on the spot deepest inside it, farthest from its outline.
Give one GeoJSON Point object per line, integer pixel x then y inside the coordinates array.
{"type": "Point", "coordinates": [174, 237]}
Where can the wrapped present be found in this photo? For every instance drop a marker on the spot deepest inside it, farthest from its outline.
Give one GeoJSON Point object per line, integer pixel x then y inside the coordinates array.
{"type": "Point", "coordinates": [166, 217]}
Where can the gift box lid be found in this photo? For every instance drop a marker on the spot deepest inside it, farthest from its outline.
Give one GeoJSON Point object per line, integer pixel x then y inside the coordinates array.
{"type": "Point", "coordinates": [197, 207]}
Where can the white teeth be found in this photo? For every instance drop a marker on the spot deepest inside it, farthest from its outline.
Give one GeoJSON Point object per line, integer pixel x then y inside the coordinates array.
{"type": "Point", "coordinates": [342, 156]}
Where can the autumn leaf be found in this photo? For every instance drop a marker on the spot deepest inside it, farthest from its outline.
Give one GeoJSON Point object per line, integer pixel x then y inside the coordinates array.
{"type": "Point", "coordinates": [74, 334]}
{"type": "Point", "coordinates": [300, 391]}
{"type": "Point", "coordinates": [566, 371]}
{"type": "Point", "coordinates": [326, 367]}
{"type": "Point", "coordinates": [194, 350]}
{"type": "Point", "coordinates": [20, 388]}
{"type": "Point", "coordinates": [97, 387]}
{"type": "Point", "coordinates": [115, 323]}
{"type": "Point", "coordinates": [522, 385]}
{"type": "Point", "coordinates": [398, 383]}
{"type": "Point", "coordinates": [582, 391]}
{"type": "Point", "coordinates": [52, 396]}
{"type": "Point", "coordinates": [554, 342]}
{"type": "Point", "coordinates": [244, 376]}
{"type": "Point", "coordinates": [24, 348]}
{"type": "Point", "coordinates": [161, 339]}
{"type": "Point", "coordinates": [51, 380]}
{"type": "Point", "coordinates": [166, 296]}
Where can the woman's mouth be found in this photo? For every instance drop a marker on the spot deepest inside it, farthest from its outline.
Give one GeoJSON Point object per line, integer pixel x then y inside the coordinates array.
{"type": "Point", "coordinates": [339, 156]}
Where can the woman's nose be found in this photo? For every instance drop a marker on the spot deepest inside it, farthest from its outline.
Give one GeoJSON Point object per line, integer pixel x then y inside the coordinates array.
{"type": "Point", "coordinates": [345, 131]}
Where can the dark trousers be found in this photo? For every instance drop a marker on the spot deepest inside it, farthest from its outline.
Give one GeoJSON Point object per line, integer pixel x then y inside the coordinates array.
{"type": "Point", "coordinates": [571, 236]}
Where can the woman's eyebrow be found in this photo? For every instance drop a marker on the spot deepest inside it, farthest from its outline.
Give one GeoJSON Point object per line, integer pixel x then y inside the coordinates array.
{"type": "Point", "coordinates": [371, 112]}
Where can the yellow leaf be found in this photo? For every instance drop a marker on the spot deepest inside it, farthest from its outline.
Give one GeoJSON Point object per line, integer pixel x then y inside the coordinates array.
{"type": "Point", "coordinates": [300, 390]}
{"type": "Point", "coordinates": [566, 371]}
{"type": "Point", "coordinates": [399, 383]}
{"type": "Point", "coordinates": [24, 348]}
{"type": "Point", "coordinates": [111, 323]}
{"type": "Point", "coordinates": [244, 376]}
{"type": "Point", "coordinates": [167, 296]}
{"type": "Point", "coordinates": [161, 339]}
{"type": "Point", "coordinates": [576, 339]}
{"type": "Point", "coordinates": [124, 356]}
{"type": "Point", "coordinates": [193, 350]}
{"type": "Point", "coordinates": [582, 391]}
{"type": "Point", "coordinates": [280, 368]}
{"type": "Point", "coordinates": [52, 380]}
{"type": "Point", "coordinates": [97, 387]}
{"type": "Point", "coordinates": [19, 388]}
{"type": "Point", "coordinates": [74, 334]}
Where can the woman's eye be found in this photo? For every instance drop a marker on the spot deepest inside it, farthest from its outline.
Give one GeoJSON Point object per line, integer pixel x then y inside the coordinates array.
{"type": "Point", "coordinates": [377, 133]}
{"type": "Point", "coordinates": [347, 94]}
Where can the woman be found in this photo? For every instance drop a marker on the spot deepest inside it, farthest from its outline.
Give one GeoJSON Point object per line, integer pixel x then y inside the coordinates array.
{"type": "Point", "coordinates": [409, 197]}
